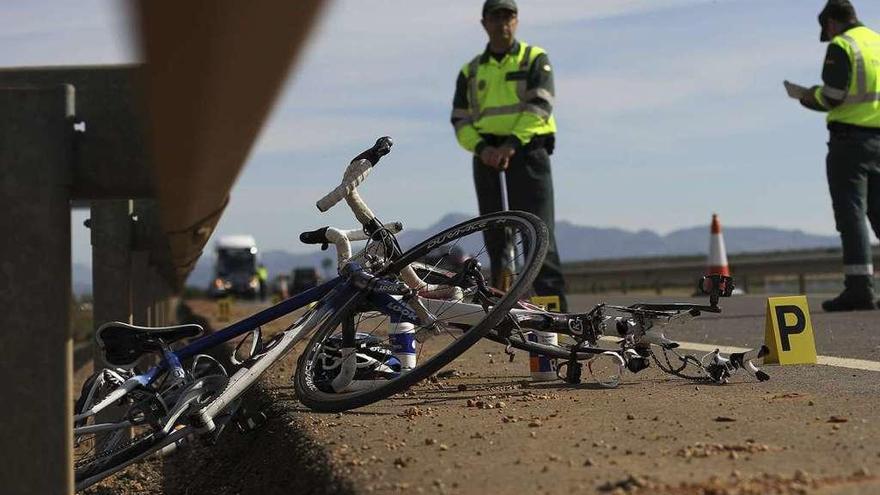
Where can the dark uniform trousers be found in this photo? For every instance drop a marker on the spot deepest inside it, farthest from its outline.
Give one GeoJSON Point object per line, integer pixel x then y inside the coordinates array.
{"type": "Point", "coordinates": [529, 188]}
{"type": "Point", "coordinates": [853, 167]}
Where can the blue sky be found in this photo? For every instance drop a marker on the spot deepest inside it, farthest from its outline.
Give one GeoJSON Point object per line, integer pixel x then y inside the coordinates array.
{"type": "Point", "coordinates": [667, 110]}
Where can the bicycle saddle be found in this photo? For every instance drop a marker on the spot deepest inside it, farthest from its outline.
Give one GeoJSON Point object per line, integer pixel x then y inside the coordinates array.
{"type": "Point", "coordinates": [122, 344]}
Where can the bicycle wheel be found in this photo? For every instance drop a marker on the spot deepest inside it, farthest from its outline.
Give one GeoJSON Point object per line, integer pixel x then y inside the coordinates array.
{"type": "Point", "coordinates": [392, 356]}
{"type": "Point", "coordinates": [108, 442]}
{"type": "Point", "coordinates": [104, 443]}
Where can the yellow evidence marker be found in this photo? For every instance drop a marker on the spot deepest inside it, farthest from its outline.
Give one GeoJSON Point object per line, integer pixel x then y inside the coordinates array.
{"type": "Point", "coordinates": [224, 308]}
{"type": "Point", "coordinates": [788, 332]}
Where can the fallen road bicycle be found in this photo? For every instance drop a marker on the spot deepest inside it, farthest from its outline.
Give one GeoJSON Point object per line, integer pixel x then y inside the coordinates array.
{"type": "Point", "coordinates": [125, 413]}
{"type": "Point", "coordinates": [353, 358]}
{"type": "Point", "coordinates": [638, 337]}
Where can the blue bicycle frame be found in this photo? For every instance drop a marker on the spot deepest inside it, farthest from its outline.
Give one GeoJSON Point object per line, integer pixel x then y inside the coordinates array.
{"type": "Point", "coordinates": [332, 294]}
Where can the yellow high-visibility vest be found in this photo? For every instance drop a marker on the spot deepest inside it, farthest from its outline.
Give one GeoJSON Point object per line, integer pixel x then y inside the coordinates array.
{"type": "Point", "coordinates": [498, 100]}
{"type": "Point", "coordinates": [861, 101]}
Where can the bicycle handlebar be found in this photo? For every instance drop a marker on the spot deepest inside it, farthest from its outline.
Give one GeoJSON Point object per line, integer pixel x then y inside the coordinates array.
{"type": "Point", "coordinates": [342, 239]}
{"type": "Point", "coordinates": [356, 173]}
{"type": "Point", "coordinates": [321, 236]}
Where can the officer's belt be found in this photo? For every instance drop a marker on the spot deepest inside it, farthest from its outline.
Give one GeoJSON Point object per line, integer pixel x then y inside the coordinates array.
{"type": "Point", "coordinates": [545, 141]}
{"type": "Point", "coordinates": [842, 129]}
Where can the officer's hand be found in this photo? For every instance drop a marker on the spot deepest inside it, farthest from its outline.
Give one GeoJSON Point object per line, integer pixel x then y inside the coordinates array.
{"type": "Point", "coordinates": [489, 156]}
{"type": "Point", "coordinates": [809, 98]}
{"type": "Point", "coordinates": [505, 153]}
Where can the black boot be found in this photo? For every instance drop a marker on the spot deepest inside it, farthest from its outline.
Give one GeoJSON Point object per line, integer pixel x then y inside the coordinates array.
{"type": "Point", "coordinates": [857, 296]}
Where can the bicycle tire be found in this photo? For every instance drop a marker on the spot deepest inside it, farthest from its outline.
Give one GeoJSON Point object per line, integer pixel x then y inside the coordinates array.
{"type": "Point", "coordinates": [93, 465]}
{"type": "Point", "coordinates": [90, 466]}
{"type": "Point", "coordinates": [534, 243]}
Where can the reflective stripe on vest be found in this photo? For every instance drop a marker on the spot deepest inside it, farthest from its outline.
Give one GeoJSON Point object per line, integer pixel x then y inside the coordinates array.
{"type": "Point", "coordinates": [461, 117]}
{"type": "Point", "coordinates": [861, 103]}
{"type": "Point", "coordinates": [859, 60]}
{"type": "Point", "coordinates": [523, 66]}
{"type": "Point", "coordinates": [858, 269]}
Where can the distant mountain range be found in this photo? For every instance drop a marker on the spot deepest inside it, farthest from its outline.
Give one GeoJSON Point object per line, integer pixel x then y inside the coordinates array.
{"type": "Point", "coordinates": [576, 243]}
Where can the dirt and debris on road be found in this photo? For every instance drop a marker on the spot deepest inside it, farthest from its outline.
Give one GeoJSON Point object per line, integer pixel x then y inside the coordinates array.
{"type": "Point", "coordinates": [660, 434]}
{"type": "Point", "coordinates": [481, 427]}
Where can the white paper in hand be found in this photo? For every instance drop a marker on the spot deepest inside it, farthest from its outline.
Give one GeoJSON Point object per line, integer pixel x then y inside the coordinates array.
{"type": "Point", "coordinates": [795, 91]}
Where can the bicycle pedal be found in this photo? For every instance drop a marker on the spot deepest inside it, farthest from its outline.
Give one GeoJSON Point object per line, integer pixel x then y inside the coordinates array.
{"type": "Point", "coordinates": [171, 448]}
{"type": "Point", "coordinates": [215, 435]}
{"type": "Point", "coordinates": [251, 422]}
{"type": "Point", "coordinates": [174, 447]}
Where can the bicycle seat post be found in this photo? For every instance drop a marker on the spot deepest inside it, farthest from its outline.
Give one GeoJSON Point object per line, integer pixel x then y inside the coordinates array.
{"type": "Point", "coordinates": [170, 359]}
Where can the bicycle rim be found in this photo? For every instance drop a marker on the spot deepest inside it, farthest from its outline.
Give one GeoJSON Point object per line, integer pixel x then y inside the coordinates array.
{"type": "Point", "coordinates": [96, 455]}
{"type": "Point", "coordinates": [460, 322]}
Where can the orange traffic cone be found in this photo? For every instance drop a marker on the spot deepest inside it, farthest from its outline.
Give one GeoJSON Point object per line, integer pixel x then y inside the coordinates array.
{"type": "Point", "coordinates": [717, 262]}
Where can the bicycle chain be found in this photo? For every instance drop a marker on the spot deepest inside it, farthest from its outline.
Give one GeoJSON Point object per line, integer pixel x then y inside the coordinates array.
{"type": "Point", "coordinates": [113, 451]}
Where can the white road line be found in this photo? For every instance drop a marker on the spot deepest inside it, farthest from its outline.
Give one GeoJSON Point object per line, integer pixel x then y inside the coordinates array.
{"type": "Point", "coordinates": [838, 362]}
{"type": "Point", "coordinates": [856, 364]}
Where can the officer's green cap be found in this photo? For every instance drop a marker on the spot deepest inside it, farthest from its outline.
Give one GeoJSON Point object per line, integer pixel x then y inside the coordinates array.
{"type": "Point", "coordinates": [493, 5]}
{"type": "Point", "coordinates": [839, 10]}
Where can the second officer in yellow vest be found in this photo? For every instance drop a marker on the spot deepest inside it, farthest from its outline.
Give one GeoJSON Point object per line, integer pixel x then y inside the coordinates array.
{"type": "Point", "coordinates": [502, 113]}
{"type": "Point", "coordinates": [851, 96]}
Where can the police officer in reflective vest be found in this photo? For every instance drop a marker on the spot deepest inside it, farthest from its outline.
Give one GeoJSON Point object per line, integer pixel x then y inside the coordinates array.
{"type": "Point", "coordinates": [502, 113]}
{"type": "Point", "coordinates": [851, 96]}
{"type": "Point", "coordinates": [263, 279]}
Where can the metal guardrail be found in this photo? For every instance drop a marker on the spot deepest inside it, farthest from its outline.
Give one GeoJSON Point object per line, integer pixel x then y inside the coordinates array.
{"type": "Point", "coordinates": [154, 150]}
{"type": "Point", "coordinates": [659, 273]}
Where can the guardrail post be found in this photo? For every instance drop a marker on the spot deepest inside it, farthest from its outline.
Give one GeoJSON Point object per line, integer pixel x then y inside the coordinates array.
{"type": "Point", "coordinates": [142, 290]}
{"type": "Point", "coordinates": [111, 228]}
{"type": "Point", "coordinates": [802, 283]}
{"type": "Point", "coordinates": [111, 231]}
{"type": "Point", "coordinates": [151, 292]}
{"type": "Point", "coordinates": [36, 144]}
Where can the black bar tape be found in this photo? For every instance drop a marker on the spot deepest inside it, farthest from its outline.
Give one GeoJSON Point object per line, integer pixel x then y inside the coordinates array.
{"type": "Point", "coordinates": [380, 149]}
